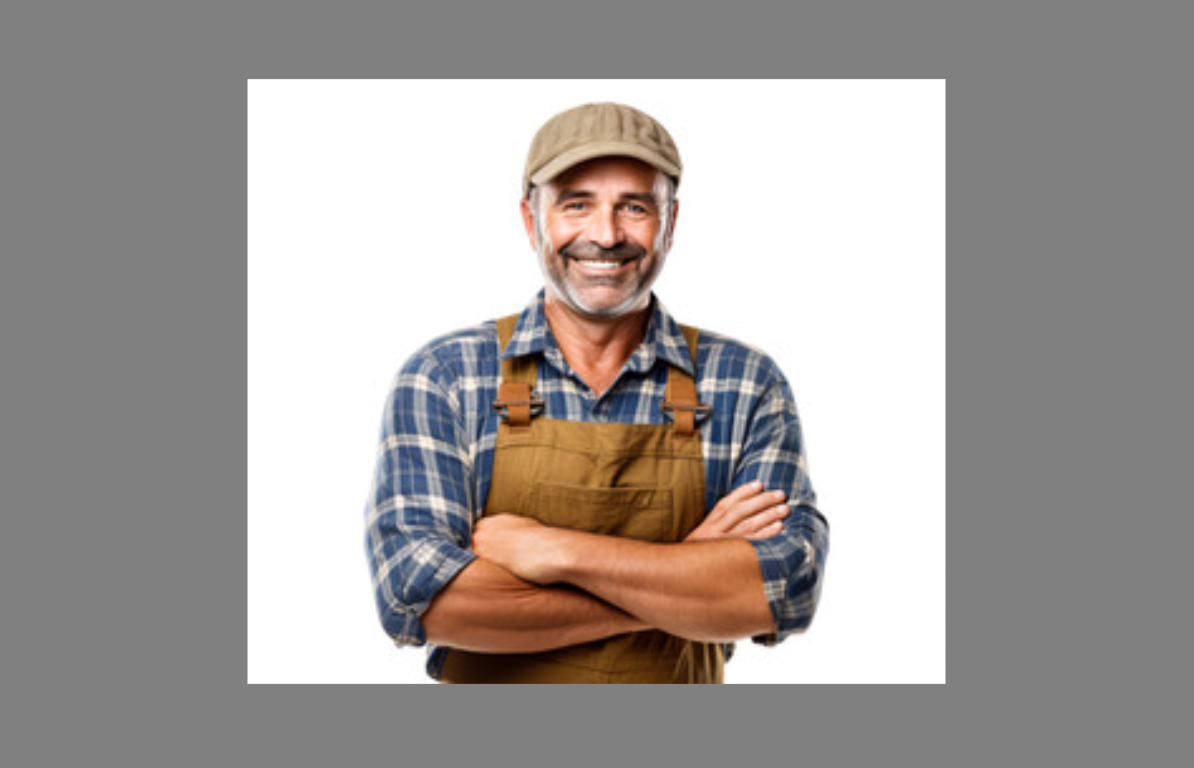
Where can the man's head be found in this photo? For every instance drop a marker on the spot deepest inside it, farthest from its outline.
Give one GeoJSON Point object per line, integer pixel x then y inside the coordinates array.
{"type": "Point", "coordinates": [600, 206]}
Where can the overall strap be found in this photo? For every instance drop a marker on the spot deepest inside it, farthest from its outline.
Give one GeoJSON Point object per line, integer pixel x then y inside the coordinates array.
{"type": "Point", "coordinates": [680, 397]}
{"type": "Point", "coordinates": [519, 375]}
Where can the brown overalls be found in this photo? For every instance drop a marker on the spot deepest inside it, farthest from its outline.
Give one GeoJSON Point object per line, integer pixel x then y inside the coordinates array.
{"type": "Point", "coordinates": [641, 481]}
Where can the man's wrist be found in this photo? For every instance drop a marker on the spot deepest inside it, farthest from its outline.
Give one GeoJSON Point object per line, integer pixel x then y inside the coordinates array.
{"type": "Point", "coordinates": [559, 551]}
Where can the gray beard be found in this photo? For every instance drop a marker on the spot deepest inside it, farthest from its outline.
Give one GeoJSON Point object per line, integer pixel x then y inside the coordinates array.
{"type": "Point", "coordinates": [560, 288]}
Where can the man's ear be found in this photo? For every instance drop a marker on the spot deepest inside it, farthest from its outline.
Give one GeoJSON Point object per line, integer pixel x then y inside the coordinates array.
{"type": "Point", "coordinates": [528, 220]}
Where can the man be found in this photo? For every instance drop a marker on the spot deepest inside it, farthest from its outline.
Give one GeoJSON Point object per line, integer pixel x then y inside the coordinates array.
{"type": "Point", "coordinates": [588, 492]}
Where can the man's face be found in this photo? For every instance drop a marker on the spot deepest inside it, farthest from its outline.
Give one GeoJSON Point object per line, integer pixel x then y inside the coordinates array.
{"type": "Point", "coordinates": [601, 235]}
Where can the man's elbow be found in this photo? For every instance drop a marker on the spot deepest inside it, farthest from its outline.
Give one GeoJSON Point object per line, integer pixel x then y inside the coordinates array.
{"type": "Point", "coordinates": [407, 583]}
{"type": "Point", "coordinates": [401, 623]}
{"type": "Point", "coordinates": [795, 612]}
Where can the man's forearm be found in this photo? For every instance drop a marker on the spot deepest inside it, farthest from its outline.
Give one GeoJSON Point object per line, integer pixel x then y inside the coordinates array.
{"type": "Point", "coordinates": [706, 590]}
{"type": "Point", "coordinates": [486, 608]}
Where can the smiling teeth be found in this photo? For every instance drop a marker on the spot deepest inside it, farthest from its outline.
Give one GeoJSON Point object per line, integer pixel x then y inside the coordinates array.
{"type": "Point", "coordinates": [603, 264]}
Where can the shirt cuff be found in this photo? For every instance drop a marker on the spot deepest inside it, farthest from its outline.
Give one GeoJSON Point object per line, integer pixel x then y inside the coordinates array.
{"type": "Point", "coordinates": [429, 569]}
{"type": "Point", "coordinates": [792, 564]}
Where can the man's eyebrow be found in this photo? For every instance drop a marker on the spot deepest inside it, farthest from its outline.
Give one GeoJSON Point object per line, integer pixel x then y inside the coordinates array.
{"type": "Point", "coordinates": [572, 194]}
{"type": "Point", "coordinates": [641, 197]}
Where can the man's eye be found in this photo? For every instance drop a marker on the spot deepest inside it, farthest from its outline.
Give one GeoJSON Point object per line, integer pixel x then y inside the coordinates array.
{"type": "Point", "coordinates": [574, 206]}
{"type": "Point", "coordinates": [634, 209]}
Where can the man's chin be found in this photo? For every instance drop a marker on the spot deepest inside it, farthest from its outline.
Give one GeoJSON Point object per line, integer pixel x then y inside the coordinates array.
{"type": "Point", "coordinates": [607, 304]}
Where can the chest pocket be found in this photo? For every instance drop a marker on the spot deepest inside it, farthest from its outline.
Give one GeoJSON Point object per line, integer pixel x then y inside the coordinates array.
{"type": "Point", "coordinates": [646, 514]}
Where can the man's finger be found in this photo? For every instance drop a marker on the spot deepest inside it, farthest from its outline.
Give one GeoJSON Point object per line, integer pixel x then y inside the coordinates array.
{"type": "Point", "coordinates": [740, 493]}
{"type": "Point", "coordinates": [763, 519]}
{"type": "Point", "coordinates": [767, 531]}
{"type": "Point", "coordinates": [743, 510]}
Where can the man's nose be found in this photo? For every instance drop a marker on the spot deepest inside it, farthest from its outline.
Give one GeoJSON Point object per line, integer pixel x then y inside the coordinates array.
{"type": "Point", "coordinates": [604, 229]}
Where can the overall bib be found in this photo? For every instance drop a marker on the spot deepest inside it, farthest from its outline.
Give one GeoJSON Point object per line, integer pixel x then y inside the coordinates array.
{"type": "Point", "coordinates": [641, 481]}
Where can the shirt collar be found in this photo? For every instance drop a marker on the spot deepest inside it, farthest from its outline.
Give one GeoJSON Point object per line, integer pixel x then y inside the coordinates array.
{"type": "Point", "coordinates": [664, 340]}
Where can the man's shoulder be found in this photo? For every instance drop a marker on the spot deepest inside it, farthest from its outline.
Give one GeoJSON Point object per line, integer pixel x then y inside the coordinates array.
{"type": "Point", "coordinates": [724, 356]}
{"type": "Point", "coordinates": [462, 352]}
{"type": "Point", "coordinates": [464, 341]}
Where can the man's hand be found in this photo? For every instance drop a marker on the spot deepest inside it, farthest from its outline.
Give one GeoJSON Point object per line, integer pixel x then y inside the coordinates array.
{"type": "Point", "coordinates": [524, 546]}
{"type": "Point", "coordinates": [707, 590]}
{"type": "Point", "coordinates": [746, 513]}
{"type": "Point", "coordinates": [519, 544]}
{"type": "Point", "coordinates": [490, 610]}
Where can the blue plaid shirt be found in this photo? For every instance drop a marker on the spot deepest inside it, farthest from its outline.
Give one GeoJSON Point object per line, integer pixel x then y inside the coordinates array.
{"type": "Point", "coordinates": [439, 431]}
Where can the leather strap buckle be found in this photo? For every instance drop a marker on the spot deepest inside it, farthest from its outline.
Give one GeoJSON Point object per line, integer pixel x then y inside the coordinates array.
{"type": "Point", "coordinates": [517, 405]}
{"type": "Point", "coordinates": [684, 416]}
{"type": "Point", "coordinates": [503, 406]}
{"type": "Point", "coordinates": [698, 408]}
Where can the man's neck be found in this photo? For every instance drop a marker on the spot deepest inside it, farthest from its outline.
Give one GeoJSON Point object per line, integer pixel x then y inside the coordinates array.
{"type": "Point", "coordinates": [596, 348]}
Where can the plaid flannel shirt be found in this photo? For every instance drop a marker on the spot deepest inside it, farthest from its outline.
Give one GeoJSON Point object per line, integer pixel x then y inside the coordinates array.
{"type": "Point", "coordinates": [439, 430]}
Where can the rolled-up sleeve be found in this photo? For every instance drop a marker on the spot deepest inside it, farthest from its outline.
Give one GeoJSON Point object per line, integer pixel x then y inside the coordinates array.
{"type": "Point", "coordinates": [793, 561]}
{"type": "Point", "coordinates": [419, 513]}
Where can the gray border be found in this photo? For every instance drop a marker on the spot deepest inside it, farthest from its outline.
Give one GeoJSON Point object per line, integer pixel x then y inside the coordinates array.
{"type": "Point", "coordinates": [122, 317]}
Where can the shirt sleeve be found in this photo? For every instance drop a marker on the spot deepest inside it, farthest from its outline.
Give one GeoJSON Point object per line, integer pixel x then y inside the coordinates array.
{"type": "Point", "coordinates": [793, 561]}
{"type": "Point", "coordinates": [419, 513]}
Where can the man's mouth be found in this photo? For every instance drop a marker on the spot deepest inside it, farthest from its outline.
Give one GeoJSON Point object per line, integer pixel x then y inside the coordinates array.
{"type": "Point", "coordinates": [601, 264]}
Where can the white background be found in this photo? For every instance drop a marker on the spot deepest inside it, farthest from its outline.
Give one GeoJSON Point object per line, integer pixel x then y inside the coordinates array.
{"type": "Point", "coordinates": [812, 226]}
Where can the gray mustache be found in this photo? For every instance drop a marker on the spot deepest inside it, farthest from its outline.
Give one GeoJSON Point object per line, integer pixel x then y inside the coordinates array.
{"type": "Point", "coordinates": [586, 250]}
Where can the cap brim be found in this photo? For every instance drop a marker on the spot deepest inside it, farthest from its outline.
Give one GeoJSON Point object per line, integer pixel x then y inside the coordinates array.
{"type": "Point", "coordinates": [603, 149]}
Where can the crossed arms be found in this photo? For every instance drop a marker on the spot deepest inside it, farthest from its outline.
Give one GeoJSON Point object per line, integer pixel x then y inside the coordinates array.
{"type": "Point", "coordinates": [511, 584]}
{"type": "Point", "coordinates": [534, 587]}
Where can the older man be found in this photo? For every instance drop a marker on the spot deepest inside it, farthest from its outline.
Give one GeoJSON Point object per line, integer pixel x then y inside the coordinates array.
{"type": "Point", "coordinates": [588, 492]}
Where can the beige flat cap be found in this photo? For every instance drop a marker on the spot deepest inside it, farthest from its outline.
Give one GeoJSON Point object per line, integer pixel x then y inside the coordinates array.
{"type": "Point", "coordinates": [598, 130]}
